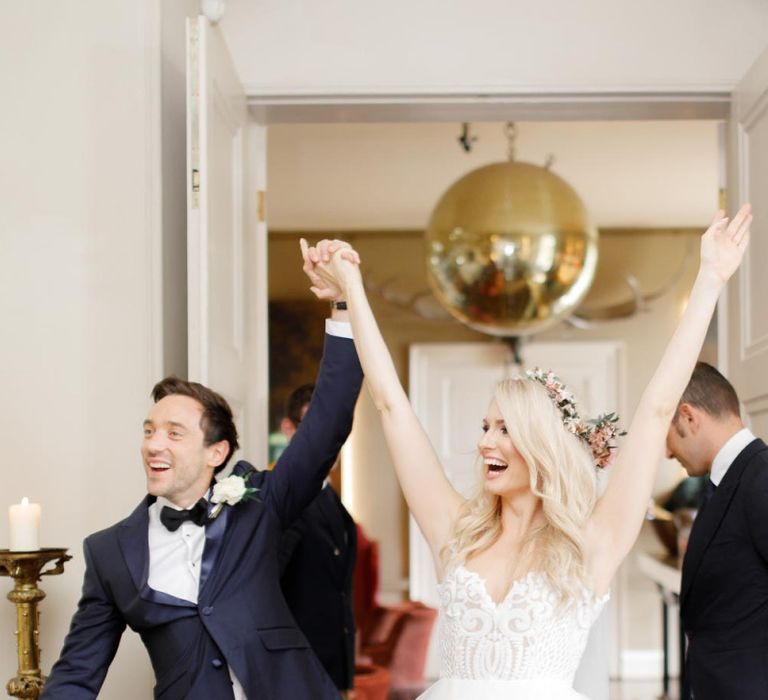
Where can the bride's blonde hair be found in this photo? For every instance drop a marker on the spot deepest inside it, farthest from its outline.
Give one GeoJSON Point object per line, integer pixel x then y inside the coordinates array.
{"type": "Point", "coordinates": [561, 473]}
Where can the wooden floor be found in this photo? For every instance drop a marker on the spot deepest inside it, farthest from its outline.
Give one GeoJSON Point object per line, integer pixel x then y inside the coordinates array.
{"type": "Point", "coordinates": [642, 690]}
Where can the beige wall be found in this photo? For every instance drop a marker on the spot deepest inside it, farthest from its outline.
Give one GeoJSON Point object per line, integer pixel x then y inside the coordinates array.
{"type": "Point", "coordinates": [390, 176]}
{"type": "Point", "coordinates": [80, 277]}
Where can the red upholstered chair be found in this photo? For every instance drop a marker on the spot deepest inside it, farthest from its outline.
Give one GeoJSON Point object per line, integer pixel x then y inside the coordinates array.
{"type": "Point", "coordinates": [365, 583]}
{"type": "Point", "coordinates": [384, 630]}
{"type": "Point", "coordinates": [371, 683]}
{"type": "Point", "coordinates": [409, 656]}
{"type": "Point", "coordinates": [371, 680]}
{"type": "Point", "coordinates": [394, 638]}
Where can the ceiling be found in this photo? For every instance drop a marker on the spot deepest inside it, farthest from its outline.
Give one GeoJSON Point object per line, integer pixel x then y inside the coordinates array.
{"type": "Point", "coordinates": [299, 50]}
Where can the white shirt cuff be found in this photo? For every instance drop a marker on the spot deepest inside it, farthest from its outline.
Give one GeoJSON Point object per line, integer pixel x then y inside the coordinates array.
{"type": "Point", "coordinates": [341, 329]}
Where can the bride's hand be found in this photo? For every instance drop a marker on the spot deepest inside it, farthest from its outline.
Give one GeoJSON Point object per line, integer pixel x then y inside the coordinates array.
{"type": "Point", "coordinates": [723, 244]}
{"type": "Point", "coordinates": [326, 265]}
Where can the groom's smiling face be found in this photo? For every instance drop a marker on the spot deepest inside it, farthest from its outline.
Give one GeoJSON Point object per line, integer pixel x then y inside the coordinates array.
{"type": "Point", "coordinates": [178, 463]}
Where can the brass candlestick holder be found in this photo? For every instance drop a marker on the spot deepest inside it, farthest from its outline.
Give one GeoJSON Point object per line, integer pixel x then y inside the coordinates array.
{"type": "Point", "coordinates": [25, 568]}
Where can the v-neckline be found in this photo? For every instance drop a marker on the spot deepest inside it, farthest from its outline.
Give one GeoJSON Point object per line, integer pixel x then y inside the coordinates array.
{"type": "Point", "coordinates": [515, 583]}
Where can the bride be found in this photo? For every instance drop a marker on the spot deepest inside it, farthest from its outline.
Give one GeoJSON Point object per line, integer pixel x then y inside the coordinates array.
{"type": "Point", "coordinates": [526, 563]}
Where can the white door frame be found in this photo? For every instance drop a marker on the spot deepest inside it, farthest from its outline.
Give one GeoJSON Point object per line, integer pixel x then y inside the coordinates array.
{"type": "Point", "coordinates": [743, 331]}
{"type": "Point", "coordinates": [226, 237]}
{"type": "Point", "coordinates": [502, 107]}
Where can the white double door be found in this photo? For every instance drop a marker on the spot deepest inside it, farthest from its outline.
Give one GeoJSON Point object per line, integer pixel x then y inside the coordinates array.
{"type": "Point", "coordinates": [451, 385]}
{"type": "Point", "coordinates": [226, 237]}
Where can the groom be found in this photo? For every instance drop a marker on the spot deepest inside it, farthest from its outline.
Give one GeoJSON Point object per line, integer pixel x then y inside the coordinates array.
{"type": "Point", "coordinates": [201, 583]}
{"type": "Point", "coordinates": [724, 592]}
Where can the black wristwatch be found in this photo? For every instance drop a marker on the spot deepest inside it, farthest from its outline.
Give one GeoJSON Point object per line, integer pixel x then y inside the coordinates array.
{"type": "Point", "coordinates": [339, 305]}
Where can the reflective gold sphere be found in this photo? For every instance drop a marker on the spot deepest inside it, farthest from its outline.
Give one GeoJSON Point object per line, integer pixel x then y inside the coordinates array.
{"type": "Point", "coordinates": [510, 249]}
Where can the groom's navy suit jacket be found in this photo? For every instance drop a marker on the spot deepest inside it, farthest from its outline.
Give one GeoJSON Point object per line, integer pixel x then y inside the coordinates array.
{"type": "Point", "coordinates": [724, 593]}
{"type": "Point", "coordinates": [241, 619]}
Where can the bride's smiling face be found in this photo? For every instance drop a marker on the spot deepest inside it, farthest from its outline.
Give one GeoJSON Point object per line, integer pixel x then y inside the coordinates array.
{"type": "Point", "coordinates": [504, 469]}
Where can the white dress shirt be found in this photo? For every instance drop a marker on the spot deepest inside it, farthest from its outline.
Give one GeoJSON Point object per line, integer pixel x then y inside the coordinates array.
{"type": "Point", "coordinates": [174, 563]}
{"type": "Point", "coordinates": [175, 557]}
{"type": "Point", "coordinates": [342, 329]}
{"type": "Point", "coordinates": [728, 452]}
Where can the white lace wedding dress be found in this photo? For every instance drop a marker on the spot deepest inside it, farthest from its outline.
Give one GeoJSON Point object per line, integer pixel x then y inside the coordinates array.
{"type": "Point", "coordinates": [522, 648]}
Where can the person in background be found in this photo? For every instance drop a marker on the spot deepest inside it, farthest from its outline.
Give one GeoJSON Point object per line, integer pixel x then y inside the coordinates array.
{"type": "Point", "coordinates": [724, 591]}
{"type": "Point", "coordinates": [317, 562]}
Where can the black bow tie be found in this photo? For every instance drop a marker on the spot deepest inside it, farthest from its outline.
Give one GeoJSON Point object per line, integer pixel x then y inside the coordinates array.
{"type": "Point", "coordinates": [172, 518]}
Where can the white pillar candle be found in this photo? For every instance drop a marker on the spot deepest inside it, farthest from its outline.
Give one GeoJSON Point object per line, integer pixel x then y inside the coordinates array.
{"type": "Point", "coordinates": [25, 525]}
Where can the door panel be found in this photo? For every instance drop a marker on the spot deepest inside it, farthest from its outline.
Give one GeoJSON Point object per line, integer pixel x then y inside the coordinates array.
{"type": "Point", "coordinates": [224, 287]}
{"type": "Point", "coordinates": [745, 324]}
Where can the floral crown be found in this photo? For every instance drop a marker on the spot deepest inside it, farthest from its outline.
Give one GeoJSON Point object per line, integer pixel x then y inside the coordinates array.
{"type": "Point", "coordinates": [598, 433]}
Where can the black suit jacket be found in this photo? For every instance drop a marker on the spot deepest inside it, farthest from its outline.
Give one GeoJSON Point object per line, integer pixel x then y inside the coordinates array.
{"type": "Point", "coordinates": [724, 592]}
{"type": "Point", "coordinates": [317, 561]}
{"type": "Point", "coordinates": [241, 618]}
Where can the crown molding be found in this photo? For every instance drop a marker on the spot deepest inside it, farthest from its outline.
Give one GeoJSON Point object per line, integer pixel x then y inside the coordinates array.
{"type": "Point", "coordinates": [287, 108]}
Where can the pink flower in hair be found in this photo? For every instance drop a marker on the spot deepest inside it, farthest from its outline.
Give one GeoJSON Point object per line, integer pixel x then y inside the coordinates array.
{"type": "Point", "coordinates": [599, 433]}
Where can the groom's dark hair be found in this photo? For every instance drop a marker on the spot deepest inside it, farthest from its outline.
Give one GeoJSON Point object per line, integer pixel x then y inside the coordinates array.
{"type": "Point", "coordinates": [711, 392]}
{"type": "Point", "coordinates": [216, 422]}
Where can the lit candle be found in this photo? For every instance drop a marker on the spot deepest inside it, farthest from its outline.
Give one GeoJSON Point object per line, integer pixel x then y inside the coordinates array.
{"type": "Point", "coordinates": [25, 523]}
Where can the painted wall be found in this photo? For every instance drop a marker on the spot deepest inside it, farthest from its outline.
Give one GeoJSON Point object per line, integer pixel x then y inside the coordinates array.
{"type": "Point", "coordinates": [296, 47]}
{"type": "Point", "coordinates": [80, 293]}
{"type": "Point", "coordinates": [390, 176]}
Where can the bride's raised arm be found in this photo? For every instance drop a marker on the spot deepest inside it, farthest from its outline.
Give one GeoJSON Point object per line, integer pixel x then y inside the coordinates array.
{"type": "Point", "coordinates": [618, 515]}
{"type": "Point", "coordinates": [430, 496]}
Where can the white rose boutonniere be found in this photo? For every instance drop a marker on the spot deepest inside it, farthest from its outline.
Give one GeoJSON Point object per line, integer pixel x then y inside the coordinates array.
{"type": "Point", "coordinates": [231, 491]}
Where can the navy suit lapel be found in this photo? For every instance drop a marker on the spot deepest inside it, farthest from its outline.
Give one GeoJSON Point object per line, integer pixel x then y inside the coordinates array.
{"type": "Point", "coordinates": [708, 520]}
{"type": "Point", "coordinates": [134, 544]}
{"type": "Point", "coordinates": [224, 537]}
{"type": "Point", "coordinates": [224, 548]}
{"type": "Point", "coordinates": [214, 540]}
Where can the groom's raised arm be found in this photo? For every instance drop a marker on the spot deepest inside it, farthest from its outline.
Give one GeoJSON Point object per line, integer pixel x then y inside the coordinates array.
{"type": "Point", "coordinates": [299, 473]}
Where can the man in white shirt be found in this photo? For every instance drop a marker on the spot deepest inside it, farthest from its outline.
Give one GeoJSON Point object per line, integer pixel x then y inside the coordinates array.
{"type": "Point", "coordinates": [724, 592]}
{"type": "Point", "coordinates": [200, 581]}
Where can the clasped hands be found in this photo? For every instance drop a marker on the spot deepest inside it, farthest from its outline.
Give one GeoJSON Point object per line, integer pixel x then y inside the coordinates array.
{"type": "Point", "coordinates": [329, 264]}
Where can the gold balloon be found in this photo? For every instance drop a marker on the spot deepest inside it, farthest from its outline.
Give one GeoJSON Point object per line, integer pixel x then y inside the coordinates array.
{"type": "Point", "coordinates": [510, 249]}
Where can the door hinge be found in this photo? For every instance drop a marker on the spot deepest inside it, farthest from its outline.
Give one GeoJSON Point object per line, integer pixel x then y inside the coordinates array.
{"type": "Point", "coordinates": [261, 196]}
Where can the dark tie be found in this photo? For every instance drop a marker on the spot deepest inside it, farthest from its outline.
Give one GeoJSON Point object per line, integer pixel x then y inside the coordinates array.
{"type": "Point", "coordinates": [172, 518]}
{"type": "Point", "coordinates": [709, 491]}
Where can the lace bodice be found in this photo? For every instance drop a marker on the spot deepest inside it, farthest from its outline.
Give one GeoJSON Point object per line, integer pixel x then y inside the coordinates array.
{"type": "Point", "coordinates": [523, 637]}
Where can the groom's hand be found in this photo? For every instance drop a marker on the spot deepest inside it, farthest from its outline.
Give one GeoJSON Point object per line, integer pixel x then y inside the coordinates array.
{"type": "Point", "coordinates": [325, 284]}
